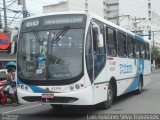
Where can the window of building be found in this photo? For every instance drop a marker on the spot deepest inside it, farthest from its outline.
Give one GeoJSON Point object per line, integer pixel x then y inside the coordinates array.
{"type": "Point", "coordinates": [86, 5]}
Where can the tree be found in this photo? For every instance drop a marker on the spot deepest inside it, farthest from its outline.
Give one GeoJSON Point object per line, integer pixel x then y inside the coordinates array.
{"type": "Point", "coordinates": [155, 53]}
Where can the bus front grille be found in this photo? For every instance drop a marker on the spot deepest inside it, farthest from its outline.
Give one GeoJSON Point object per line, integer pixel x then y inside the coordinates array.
{"type": "Point", "coordinates": [53, 100]}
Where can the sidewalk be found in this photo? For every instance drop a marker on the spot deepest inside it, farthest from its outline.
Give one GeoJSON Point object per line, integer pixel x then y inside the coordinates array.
{"type": "Point", "coordinates": [155, 71]}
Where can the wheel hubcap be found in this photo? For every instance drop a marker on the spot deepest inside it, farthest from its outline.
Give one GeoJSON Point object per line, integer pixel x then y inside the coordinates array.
{"type": "Point", "coordinates": [110, 95]}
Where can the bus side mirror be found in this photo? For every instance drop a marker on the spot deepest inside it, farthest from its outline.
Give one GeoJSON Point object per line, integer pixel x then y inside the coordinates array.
{"type": "Point", "coordinates": [100, 42]}
{"type": "Point", "coordinates": [99, 35]}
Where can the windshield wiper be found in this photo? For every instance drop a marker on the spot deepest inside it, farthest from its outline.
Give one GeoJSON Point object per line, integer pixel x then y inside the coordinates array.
{"type": "Point", "coordinates": [62, 32]}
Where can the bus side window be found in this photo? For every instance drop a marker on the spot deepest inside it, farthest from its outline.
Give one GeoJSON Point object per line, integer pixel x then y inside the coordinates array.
{"type": "Point", "coordinates": [130, 47]}
{"type": "Point", "coordinates": [111, 42]}
{"type": "Point", "coordinates": [143, 49]}
{"type": "Point", "coordinates": [122, 52]}
{"type": "Point", "coordinates": [136, 48]}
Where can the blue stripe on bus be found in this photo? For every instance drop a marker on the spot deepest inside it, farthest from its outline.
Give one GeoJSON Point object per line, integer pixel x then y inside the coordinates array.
{"type": "Point", "coordinates": [33, 88]}
{"type": "Point", "coordinates": [135, 82]}
{"type": "Point", "coordinates": [37, 89]}
{"type": "Point", "coordinates": [139, 38]}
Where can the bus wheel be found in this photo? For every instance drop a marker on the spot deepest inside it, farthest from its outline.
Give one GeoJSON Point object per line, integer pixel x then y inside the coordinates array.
{"type": "Point", "coordinates": [139, 90]}
{"type": "Point", "coordinates": [57, 107]}
{"type": "Point", "coordinates": [107, 104]}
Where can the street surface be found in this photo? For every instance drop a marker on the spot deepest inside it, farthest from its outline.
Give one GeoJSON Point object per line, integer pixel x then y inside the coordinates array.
{"type": "Point", "coordinates": [147, 102]}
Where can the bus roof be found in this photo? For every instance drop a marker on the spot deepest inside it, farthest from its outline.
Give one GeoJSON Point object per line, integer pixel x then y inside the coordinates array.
{"type": "Point", "coordinates": [92, 15]}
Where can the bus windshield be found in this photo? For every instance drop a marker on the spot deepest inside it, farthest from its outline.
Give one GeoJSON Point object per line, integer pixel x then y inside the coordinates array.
{"type": "Point", "coordinates": [51, 54]}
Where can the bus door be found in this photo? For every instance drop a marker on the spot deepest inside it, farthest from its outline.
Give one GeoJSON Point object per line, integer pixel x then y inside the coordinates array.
{"type": "Point", "coordinates": [98, 48]}
{"type": "Point", "coordinates": [99, 61]}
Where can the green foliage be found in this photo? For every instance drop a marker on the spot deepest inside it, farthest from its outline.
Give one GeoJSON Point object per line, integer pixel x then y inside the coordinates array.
{"type": "Point", "coordinates": [155, 53]}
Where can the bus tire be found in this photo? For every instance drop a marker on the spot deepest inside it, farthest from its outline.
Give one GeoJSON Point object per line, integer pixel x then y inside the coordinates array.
{"type": "Point", "coordinates": [107, 104]}
{"type": "Point", "coordinates": [57, 107]}
{"type": "Point", "coordinates": [139, 90]}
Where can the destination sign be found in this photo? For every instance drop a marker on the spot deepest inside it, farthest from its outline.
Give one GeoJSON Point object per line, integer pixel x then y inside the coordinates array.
{"type": "Point", "coordinates": [63, 20]}
{"type": "Point", "coordinates": [58, 21]}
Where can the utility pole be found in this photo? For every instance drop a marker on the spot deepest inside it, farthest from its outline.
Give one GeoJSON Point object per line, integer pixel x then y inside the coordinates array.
{"type": "Point", "coordinates": [0, 21]}
{"type": "Point", "coordinates": [5, 16]}
{"type": "Point", "coordinates": [136, 22]}
{"type": "Point", "coordinates": [118, 18]}
{"type": "Point", "coordinates": [153, 37]}
{"type": "Point", "coordinates": [25, 12]}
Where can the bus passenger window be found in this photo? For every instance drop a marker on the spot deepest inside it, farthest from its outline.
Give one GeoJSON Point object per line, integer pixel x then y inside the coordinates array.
{"type": "Point", "coordinates": [122, 52]}
{"type": "Point", "coordinates": [130, 47]}
{"type": "Point", "coordinates": [137, 49]}
{"type": "Point", "coordinates": [111, 42]}
{"type": "Point", "coordinates": [143, 49]}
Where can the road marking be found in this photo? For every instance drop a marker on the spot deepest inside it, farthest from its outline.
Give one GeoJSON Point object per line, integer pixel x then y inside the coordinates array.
{"type": "Point", "coordinates": [21, 109]}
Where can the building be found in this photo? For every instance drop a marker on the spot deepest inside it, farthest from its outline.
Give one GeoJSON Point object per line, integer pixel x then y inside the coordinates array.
{"type": "Point", "coordinates": [142, 17]}
{"type": "Point", "coordinates": [108, 9]}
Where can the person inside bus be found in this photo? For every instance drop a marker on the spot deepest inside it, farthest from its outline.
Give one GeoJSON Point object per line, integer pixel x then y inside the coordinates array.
{"type": "Point", "coordinates": [10, 89]}
{"type": "Point", "coordinates": [97, 56]}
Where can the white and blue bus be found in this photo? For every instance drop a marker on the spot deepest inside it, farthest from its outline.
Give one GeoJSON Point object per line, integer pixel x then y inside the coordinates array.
{"type": "Point", "coordinates": [78, 58]}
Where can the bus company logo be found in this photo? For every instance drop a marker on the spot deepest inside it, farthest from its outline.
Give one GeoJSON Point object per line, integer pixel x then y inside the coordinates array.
{"type": "Point", "coordinates": [4, 41]}
{"type": "Point", "coordinates": [124, 68]}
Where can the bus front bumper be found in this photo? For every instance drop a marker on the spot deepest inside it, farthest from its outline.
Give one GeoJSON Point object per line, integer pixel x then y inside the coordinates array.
{"type": "Point", "coordinates": [79, 97]}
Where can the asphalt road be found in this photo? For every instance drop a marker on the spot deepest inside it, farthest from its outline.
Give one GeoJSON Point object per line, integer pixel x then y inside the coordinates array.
{"type": "Point", "coordinates": [147, 102]}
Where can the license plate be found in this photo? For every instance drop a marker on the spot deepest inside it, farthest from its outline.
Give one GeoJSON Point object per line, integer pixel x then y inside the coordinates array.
{"type": "Point", "coordinates": [45, 96]}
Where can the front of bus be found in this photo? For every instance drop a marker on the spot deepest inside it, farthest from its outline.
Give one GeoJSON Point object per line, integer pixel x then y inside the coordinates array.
{"type": "Point", "coordinates": [50, 60]}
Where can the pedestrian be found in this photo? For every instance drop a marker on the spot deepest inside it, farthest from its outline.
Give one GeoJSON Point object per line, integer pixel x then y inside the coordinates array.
{"type": "Point", "coordinates": [11, 89]}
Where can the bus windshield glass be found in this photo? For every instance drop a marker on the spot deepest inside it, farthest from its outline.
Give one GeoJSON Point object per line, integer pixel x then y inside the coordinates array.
{"type": "Point", "coordinates": [51, 53]}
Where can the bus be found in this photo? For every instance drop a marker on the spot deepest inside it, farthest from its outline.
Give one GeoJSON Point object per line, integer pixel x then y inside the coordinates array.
{"type": "Point", "coordinates": [78, 58]}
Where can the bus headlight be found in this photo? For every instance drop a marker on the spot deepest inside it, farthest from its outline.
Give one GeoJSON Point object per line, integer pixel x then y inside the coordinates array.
{"type": "Point", "coordinates": [24, 88]}
{"type": "Point", "coordinates": [77, 86]}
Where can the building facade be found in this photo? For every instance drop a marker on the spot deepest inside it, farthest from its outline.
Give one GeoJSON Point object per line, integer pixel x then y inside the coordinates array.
{"type": "Point", "coordinates": [142, 16]}
{"type": "Point", "coordinates": [107, 9]}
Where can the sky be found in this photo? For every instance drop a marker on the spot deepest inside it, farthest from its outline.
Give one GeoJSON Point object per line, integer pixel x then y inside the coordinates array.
{"type": "Point", "coordinates": [36, 6]}
{"type": "Point", "coordinates": [33, 6]}
{"type": "Point", "coordinates": [132, 7]}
